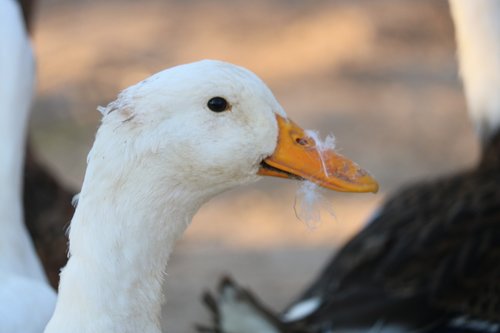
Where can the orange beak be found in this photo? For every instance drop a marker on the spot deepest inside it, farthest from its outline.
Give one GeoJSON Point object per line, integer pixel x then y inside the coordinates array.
{"type": "Point", "coordinates": [297, 156]}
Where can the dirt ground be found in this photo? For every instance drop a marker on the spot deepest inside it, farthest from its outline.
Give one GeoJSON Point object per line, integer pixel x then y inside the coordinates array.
{"type": "Point", "coordinates": [380, 74]}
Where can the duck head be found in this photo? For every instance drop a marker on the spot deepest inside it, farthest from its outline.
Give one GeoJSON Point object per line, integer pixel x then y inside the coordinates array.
{"type": "Point", "coordinates": [213, 125]}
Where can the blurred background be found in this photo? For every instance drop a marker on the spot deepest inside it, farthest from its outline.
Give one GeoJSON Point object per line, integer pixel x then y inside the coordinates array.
{"type": "Point", "coordinates": [379, 74]}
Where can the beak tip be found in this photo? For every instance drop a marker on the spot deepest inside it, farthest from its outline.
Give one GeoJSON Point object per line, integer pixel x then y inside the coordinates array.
{"type": "Point", "coordinates": [373, 185]}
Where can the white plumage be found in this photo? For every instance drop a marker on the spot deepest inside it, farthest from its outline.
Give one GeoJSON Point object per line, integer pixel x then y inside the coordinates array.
{"type": "Point", "coordinates": [26, 300]}
{"type": "Point", "coordinates": [160, 153]}
{"type": "Point", "coordinates": [477, 30]}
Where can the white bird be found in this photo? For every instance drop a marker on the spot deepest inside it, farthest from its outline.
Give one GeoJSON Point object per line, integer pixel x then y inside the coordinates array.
{"type": "Point", "coordinates": [166, 146]}
{"type": "Point", "coordinates": [26, 299]}
{"type": "Point", "coordinates": [47, 202]}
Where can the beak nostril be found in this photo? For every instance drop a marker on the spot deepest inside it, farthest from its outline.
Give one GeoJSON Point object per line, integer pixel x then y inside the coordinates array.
{"type": "Point", "coordinates": [301, 141]}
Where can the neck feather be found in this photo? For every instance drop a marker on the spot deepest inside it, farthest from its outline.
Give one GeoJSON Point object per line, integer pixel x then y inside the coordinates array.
{"type": "Point", "coordinates": [121, 235]}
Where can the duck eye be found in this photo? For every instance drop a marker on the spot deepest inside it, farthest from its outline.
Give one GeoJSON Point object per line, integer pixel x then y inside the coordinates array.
{"type": "Point", "coordinates": [218, 104]}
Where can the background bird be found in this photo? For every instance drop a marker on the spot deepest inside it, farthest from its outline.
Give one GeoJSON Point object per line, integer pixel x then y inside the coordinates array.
{"type": "Point", "coordinates": [46, 201]}
{"type": "Point", "coordinates": [26, 298]}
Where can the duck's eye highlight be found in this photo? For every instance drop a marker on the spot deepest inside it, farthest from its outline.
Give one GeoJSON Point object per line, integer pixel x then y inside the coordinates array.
{"type": "Point", "coordinates": [218, 104]}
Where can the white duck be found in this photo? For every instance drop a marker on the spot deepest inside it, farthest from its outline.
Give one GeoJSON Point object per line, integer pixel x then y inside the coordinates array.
{"type": "Point", "coordinates": [23, 286]}
{"type": "Point", "coordinates": [166, 146]}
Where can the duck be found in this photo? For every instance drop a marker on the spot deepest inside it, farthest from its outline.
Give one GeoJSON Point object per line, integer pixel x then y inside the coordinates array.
{"type": "Point", "coordinates": [428, 260]}
{"type": "Point", "coordinates": [23, 284]}
{"type": "Point", "coordinates": [165, 146]}
{"type": "Point", "coordinates": [46, 200]}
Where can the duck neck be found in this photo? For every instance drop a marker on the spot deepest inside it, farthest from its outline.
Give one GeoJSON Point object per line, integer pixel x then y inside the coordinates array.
{"type": "Point", "coordinates": [17, 255]}
{"type": "Point", "coordinates": [119, 247]}
{"type": "Point", "coordinates": [16, 252]}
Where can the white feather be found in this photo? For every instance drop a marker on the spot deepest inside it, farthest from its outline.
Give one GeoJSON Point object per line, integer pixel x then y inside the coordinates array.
{"type": "Point", "coordinates": [302, 309]}
{"type": "Point", "coordinates": [465, 322]}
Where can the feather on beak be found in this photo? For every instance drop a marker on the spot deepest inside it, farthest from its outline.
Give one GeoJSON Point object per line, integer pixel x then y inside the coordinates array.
{"type": "Point", "coordinates": [298, 156]}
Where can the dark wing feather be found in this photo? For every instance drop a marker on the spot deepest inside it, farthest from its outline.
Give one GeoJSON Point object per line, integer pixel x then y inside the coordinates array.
{"type": "Point", "coordinates": [434, 246]}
